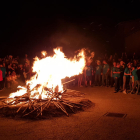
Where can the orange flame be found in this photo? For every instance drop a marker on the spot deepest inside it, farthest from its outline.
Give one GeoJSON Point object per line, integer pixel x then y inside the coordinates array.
{"type": "Point", "coordinates": [49, 73]}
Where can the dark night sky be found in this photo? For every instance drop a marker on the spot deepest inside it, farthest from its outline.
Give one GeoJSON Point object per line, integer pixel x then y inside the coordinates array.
{"type": "Point", "coordinates": [32, 26]}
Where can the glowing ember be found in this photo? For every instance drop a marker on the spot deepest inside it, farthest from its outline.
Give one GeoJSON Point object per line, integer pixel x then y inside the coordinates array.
{"type": "Point", "coordinates": [49, 73]}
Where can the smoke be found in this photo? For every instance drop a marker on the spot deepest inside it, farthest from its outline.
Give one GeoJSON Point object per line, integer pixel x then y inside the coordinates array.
{"type": "Point", "coordinates": [71, 37]}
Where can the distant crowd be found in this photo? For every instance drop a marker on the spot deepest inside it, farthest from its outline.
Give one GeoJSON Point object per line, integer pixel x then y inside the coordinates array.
{"type": "Point", "coordinates": [14, 70]}
{"type": "Point", "coordinates": [122, 73]}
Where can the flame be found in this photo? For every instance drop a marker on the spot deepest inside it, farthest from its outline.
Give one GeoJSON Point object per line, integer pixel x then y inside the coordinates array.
{"type": "Point", "coordinates": [49, 73]}
{"type": "Point", "coordinates": [44, 53]}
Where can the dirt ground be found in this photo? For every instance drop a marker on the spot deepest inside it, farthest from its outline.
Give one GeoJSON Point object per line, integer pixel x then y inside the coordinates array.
{"type": "Point", "coordinates": [90, 124]}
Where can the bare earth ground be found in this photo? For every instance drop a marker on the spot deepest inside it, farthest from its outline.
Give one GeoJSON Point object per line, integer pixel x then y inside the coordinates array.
{"type": "Point", "coordinates": [90, 124]}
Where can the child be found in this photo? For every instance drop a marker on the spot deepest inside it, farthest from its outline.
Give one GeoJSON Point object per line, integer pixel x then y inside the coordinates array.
{"type": "Point", "coordinates": [117, 77]}
{"type": "Point", "coordinates": [98, 73]}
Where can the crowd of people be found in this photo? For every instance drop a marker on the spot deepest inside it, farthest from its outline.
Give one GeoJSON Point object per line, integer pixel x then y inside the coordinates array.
{"type": "Point", "coordinates": [13, 70]}
{"type": "Point", "coordinates": [122, 73]}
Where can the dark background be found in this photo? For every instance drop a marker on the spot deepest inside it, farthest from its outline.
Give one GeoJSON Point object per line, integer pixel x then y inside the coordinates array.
{"type": "Point", "coordinates": [32, 26]}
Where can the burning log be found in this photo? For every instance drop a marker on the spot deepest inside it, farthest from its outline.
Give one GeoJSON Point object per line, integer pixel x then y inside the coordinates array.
{"type": "Point", "coordinates": [68, 81]}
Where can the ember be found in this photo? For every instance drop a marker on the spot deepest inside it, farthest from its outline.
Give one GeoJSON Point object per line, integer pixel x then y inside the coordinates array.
{"type": "Point", "coordinates": [46, 86]}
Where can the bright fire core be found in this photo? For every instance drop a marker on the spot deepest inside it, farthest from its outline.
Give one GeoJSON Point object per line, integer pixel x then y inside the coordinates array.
{"type": "Point", "coordinates": [49, 72]}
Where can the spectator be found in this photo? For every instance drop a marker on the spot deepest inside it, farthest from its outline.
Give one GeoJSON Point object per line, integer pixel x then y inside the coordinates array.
{"type": "Point", "coordinates": [126, 77]}
{"type": "Point", "coordinates": [113, 69]}
{"type": "Point", "coordinates": [88, 73]}
{"type": "Point", "coordinates": [98, 73]}
{"type": "Point", "coordinates": [136, 83]}
{"type": "Point", "coordinates": [105, 73]}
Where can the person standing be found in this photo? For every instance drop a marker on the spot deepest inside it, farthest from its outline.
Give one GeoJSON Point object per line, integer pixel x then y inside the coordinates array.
{"type": "Point", "coordinates": [122, 67]}
{"type": "Point", "coordinates": [136, 83]}
{"type": "Point", "coordinates": [88, 73]}
{"type": "Point", "coordinates": [126, 77]}
{"type": "Point", "coordinates": [105, 73]}
{"type": "Point", "coordinates": [113, 69]}
{"type": "Point", "coordinates": [98, 73]}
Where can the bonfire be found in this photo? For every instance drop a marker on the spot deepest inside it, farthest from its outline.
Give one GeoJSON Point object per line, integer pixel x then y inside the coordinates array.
{"type": "Point", "coordinates": [46, 87]}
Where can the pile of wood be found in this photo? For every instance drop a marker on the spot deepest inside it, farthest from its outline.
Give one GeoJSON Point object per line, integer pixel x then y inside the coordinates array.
{"type": "Point", "coordinates": [25, 106]}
